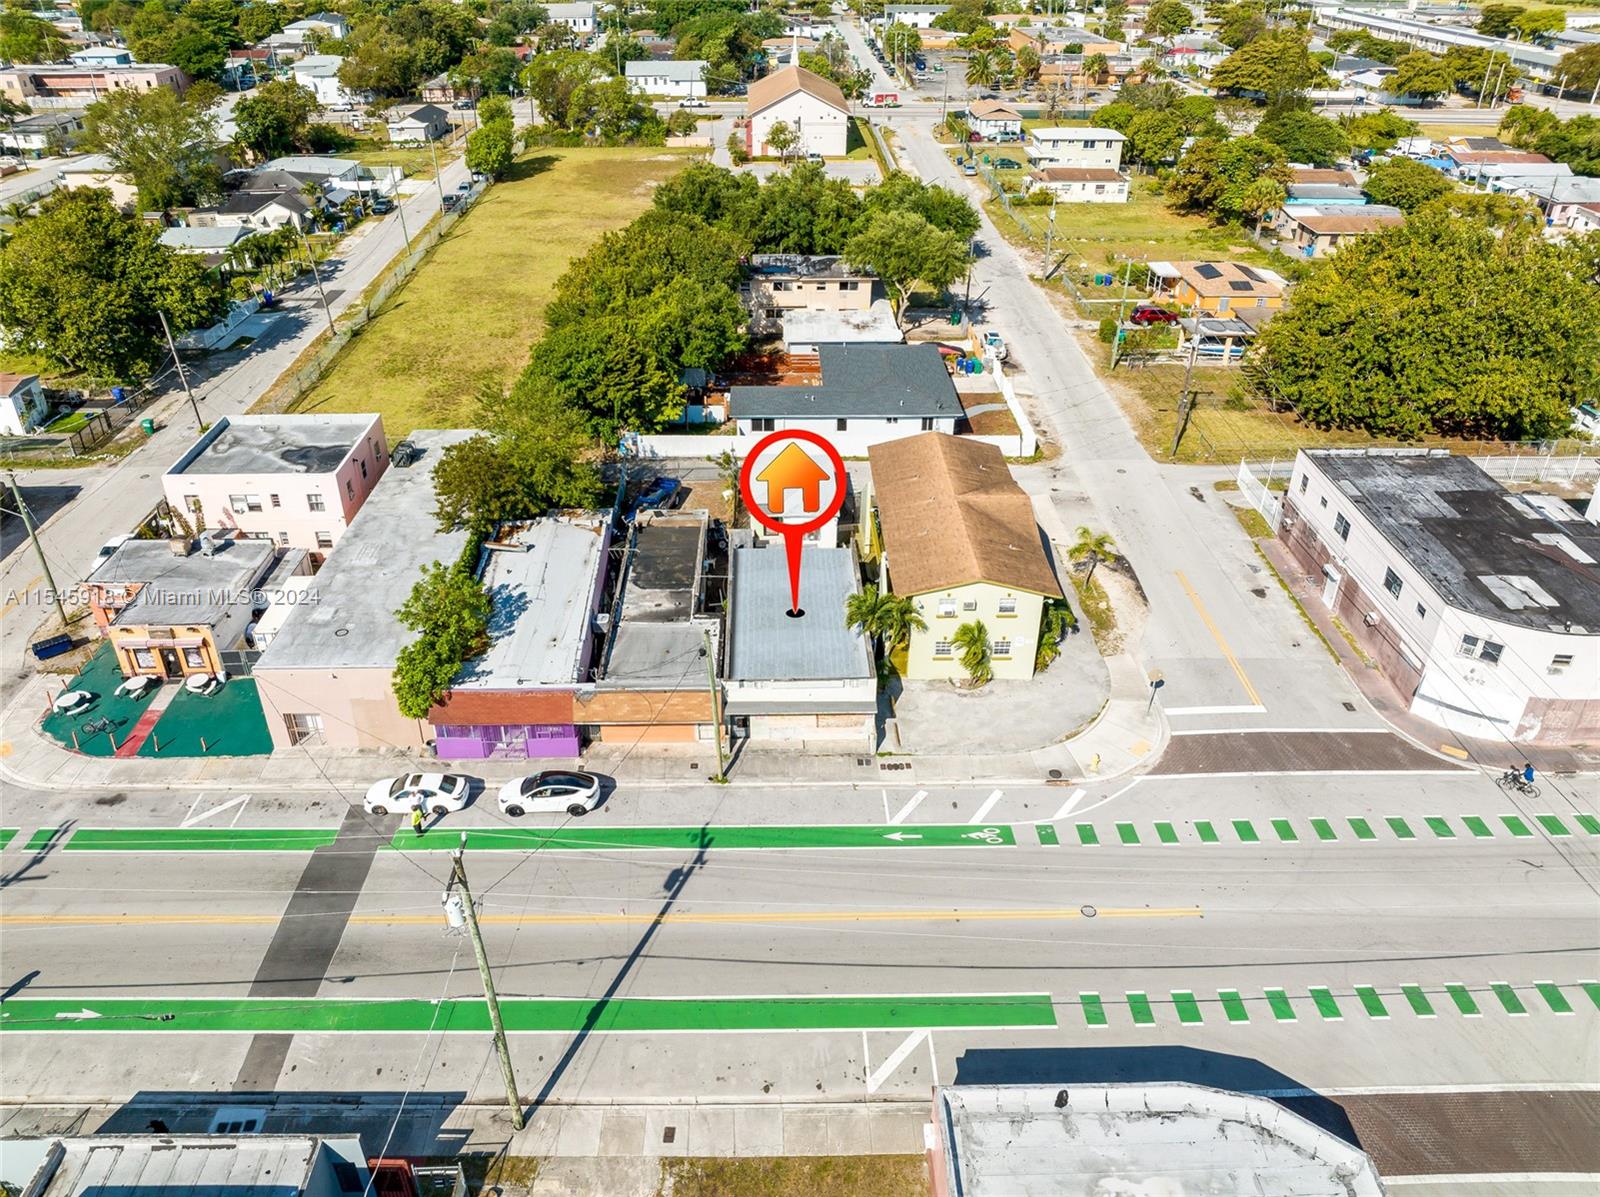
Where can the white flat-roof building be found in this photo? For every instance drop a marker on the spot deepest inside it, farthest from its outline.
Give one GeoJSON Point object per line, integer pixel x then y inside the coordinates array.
{"type": "Point", "coordinates": [1075, 147]}
{"type": "Point", "coordinates": [1482, 607]}
{"type": "Point", "coordinates": [806, 330]}
{"type": "Point", "coordinates": [319, 73]}
{"type": "Point", "coordinates": [1089, 1140]}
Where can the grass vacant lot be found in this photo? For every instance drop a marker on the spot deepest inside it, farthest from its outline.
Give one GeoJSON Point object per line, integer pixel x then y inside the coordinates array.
{"type": "Point", "coordinates": [800, 1176]}
{"type": "Point", "coordinates": [469, 314]}
{"type": "Point", "coordinates": [1143, 228]}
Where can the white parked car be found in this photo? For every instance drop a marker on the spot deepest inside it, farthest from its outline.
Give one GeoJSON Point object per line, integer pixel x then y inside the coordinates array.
{"type": "Point", "coordinates": [692, 102]}
{"type": "Point", "coordinates": [106, 550]}
{"type": "Point", "coordinates": [994, 344]}
{"type": "Point", "coordinates": [436, 793]}
{"type": "Point", "coordinates": [552, 791]}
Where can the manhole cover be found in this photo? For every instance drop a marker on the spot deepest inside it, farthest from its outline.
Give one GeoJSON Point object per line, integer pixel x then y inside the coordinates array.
{"type": "Point", "coordinates": [1055, 774]}
{"type": "Point", "coordinates": [1088, 912]}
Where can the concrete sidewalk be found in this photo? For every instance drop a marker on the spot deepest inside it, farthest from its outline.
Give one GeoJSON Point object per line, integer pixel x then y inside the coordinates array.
{"type": "Point", "coordinates": [1122, 737]}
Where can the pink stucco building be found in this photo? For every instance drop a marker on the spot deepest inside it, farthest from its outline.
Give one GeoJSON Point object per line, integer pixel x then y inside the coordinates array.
{"type": "Point", "coordinates": [295, 480]}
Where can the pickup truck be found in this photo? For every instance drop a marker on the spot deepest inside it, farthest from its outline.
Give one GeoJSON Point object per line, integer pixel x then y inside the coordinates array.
{"type": "Point", "coordinates": [994, 345]}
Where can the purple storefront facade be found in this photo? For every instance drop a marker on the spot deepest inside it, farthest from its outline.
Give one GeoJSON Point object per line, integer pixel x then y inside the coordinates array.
{"type": "Point", "coordinates": [506, 741]}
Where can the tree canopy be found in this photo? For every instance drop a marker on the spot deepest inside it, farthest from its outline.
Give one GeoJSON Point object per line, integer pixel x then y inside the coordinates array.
{"type": "Point", "coordinates": [274, 120]}
{"type": "Point", "coordinates": [1305, 137]}
{"type": "Point", "coordinates": [166, 147]}
{"type": "Point", "coordinates": [1422, 75]}
{"type": "Point", "coordinates": [1581, 67]}
{"type": "Point", "coordinates": [1274, 65]}
{"type": "Point", "coordinates": [907, 251]}
{"type": "Point", "coordinates": [1405, 184]}
{"type": "Point", "coordinates": [1377, 130]}
{"type": "Point", "coordinates": [1447, 324]}
{"type": "Point", "coordinates": [82, 283]}
{"type": "Point", "coordinates": [449, 610]}
{"type": "Point", "coordinates": [1214, 174]}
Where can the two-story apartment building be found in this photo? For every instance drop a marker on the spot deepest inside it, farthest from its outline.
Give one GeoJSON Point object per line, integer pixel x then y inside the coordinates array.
{"type": "Point", "coordinates": [1482, 607]}
{"type": "Point", "coordinates": [1067, 146]}
{"type": "Point", "coordinates": [69, 85]}
{"type": "Point", "coordinates": [869, 393]}
{"type": "Point", "coordinates": [778, 284]}
{"type": "Point", "coordinates": [959, 538]}
{"type": "Point", "coordinates": [296, 481]}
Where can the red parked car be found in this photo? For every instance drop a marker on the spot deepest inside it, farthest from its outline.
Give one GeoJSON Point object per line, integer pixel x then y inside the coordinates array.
{"type": "Point", "coordinates": [1147, 314]}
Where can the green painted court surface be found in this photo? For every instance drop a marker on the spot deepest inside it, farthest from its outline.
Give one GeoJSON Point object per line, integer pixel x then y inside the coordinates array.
{"type": "Point", "coordinates": [230, 723]}
{"type": "Point", "coordinates": [100, 677]}
{"type": "Point", "coordinates": [559, 1015]}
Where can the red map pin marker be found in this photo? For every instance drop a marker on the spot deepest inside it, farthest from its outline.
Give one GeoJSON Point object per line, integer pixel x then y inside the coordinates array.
{"type": "Point", "coordinates": [781, 464]}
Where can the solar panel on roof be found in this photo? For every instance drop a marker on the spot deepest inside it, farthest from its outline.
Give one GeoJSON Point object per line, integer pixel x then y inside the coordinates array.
{"type": "Point", "coordinates": [1252, 274]}
{"type": "Point", "coordinates": [1207, 270]}
{"type": "Point", "coordinates": [1238, 284]}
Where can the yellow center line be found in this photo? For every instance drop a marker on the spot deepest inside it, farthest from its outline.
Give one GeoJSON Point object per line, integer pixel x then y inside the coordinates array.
{"type": "Point", "coordinates": [741, 916]}
{"type": "Point", "coordinates": [1216, 634]}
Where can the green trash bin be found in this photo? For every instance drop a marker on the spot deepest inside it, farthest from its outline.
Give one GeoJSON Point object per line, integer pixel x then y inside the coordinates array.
{"type": "Point", "coordinates": [147, 426]}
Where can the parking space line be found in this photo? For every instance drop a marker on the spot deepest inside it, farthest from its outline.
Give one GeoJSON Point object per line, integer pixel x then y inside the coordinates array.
{"type": "Point", "coordinates": [988, 805]}
{"type": "Point", "coordinates": [1246, 831]}
{"type": "Point", "coordinates": [904, 813]}
{"type": "Point", "coordinates": [1465, 1002]}
{"type": "Point", "coordinates": [1516, 826]}
{"type": "Point", "coordinates": [1477, 826]}
{"type": "Point", "coordinates": [1400, 827]}
{"type": "Point", "coordinates": [1420, 1005]}
{"type": "Point", "coordinates": [1285, 831]}
{"type": "Point", "coordinates": [1324, 829]}
{"type": "Point", "coordinates": [1440, 827]}
{"type": "Point", "coordinates": [1166, 833]}
{"type": "Point", "coordinates": [1087, 834]}
{"type": "Point", "coordinates": [1362, 828]}
{"type": "Point", "coordinates": [1371, 1001]}
{"type": "Point", "coordinates": [1206, 832]}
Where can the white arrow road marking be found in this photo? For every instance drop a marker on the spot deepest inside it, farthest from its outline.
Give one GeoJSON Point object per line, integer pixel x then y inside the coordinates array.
{"type": "Point", "coordinates": [896, 1058]}
{"type": "Point", "coordinates": [78, 1015]}
{"type": "Point", "coordinates": [904, 813]}
{"type": "Point", "coordinates": [193, 818]}
{"type": "Point", "coordinates": [898, 836]}
{"type": "Point", "coordinates": [988, 805]}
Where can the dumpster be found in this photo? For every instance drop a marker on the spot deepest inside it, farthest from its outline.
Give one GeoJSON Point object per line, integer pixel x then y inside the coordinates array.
{"type": "Point", "coordinates": [119, 395]}
{"type": "Point", "coordinates": [147, 426]}
{"type": "Point", "coordinates": [51, 646]}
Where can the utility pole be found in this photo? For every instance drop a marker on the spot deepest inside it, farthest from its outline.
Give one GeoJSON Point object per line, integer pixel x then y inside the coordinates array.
{"type": "Point", "coordinates": [438, 181]}
{"type": "Point", "coordinates": [1487, 67]}
{"type": "Point", "coordinates": [1186, 401]}
{"type": "Point", "coordinates": [33, 535]}
{"type": "Point", "coordinates": [458, 878]}
{"type": "Point", "coordinates": [400, 207]}
{"type": "Point", "coordinates": [1122, 304]}
{"type": "Point", "coordinates": [178, 362]}
{"type": "Point", "coordinates": [716, 708]}
{"type": "Point", "coordinates": [316, 275]}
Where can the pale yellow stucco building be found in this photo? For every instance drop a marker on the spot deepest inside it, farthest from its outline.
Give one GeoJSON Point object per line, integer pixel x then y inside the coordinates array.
{"type": "Point", "coordinates": [959, 537]}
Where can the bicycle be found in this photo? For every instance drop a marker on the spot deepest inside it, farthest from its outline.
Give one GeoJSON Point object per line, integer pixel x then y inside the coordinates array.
{"type": "Point", "coordinates": [95, 726]}
{"type": "Point", "coordinates": [1511, 779]}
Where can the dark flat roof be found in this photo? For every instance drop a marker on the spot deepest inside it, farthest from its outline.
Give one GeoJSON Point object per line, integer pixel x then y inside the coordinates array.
{"type": "Point", "coordinates": [861, 379]}
{"type": "Point", "coordinates": [1487, 551]}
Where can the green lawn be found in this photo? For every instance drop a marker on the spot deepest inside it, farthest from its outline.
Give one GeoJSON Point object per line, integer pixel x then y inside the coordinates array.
{"type": "Point", "coordinates": [69, 422]}
{"type": "Point", "coordinates": [469, 315]}
{"type": "Point", "coordinates": [416, 161]}
{"type": "Point", "coordinates": [1144, 228]}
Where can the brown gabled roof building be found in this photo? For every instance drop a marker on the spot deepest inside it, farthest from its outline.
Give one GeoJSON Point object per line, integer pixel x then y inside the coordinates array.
{"type": "Point", "coordinates": [779, 85]}
{"type": "Point", "coordinates": [1315, 174]}
{"type": "Point", "coordinates": [951, 515]}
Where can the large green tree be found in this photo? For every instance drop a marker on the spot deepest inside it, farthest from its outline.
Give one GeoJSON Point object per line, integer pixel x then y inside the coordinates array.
{"type": "Point", "coordinates": [274, 120]}
{"type": "Point", "coordinates": [939, 206]}
{"type": "Point", "coordinates": [491, 148]}
{"type": "Point", "coordinates": [1214, 174]}
{"type": "Point", "coordinates": [1405, 184]}
{"type": "Point", "coordinates": [1581, 68]}
{"type": "Point", "coordinates": [25, 38]}
{"type": "Point", "coordinates": [907, 252]}
{"type": "Point", "coordinates": [1422, 75]}
{"type": "Point", "coordinates": [1168, 18]}
{"type": "Point", "coordinates": [803, 211]}
{"type": "Point", "coordinates": [552, 79]}
{"type": "Point", "coordinates": [1274, 65]}
{"type": "Point", "coordinates": [1448, 324]}
{"type": "Point", "coordinates": [82, 283]}
{"type": "Point", "coordinates": [1305, 137]}
{"type": "Point", "coordinates": [165, 146]}
{"type": "Point", "coordinates": [1377, 130]}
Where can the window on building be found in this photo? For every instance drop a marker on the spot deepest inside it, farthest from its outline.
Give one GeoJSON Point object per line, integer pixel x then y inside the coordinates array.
{"type": "Point", "coordinates": [1342, 527]}
{"type": "Point", "coordinates": [276, 502]}
{"type": "Point", "coordinates": [283, 538]}
{"type": "Point", "coordinates": [324, 540]}
{"type": "Point", "coordinates": [841, 425]}
{"type": "Point", "coordinates": [761, 424]}
{"type": "Point", "coordinates": [192, 502]}
{"type": "Point", "coordinates": [1421, 611]}
{"type": "Point", "coordinates": [1224, 303]}
{"type": "Point", "coordinates": [1323, 502]}
{"type": "Point", "coordinates": [774, 313]}
{"type": "Point", "coordinates": [942, 648]}
{"type": "Point", "coordinates": [850, 284]}
{"type": "Point", "coordinates": [194, 658]}
{"type": "Point", "coordinates": [314, 503]}
{"type": "Point", "coordinates": [1305, 480]}
{"type": "Point", "coordinates": [1000, 648]}
{"type": "Point", "coordinates": [780, 285]}
{"type": "Point", "coordinates": [144, 658]}
{"type": "Point", "coordinates": [1485, 650]}
{"type": "Point", "coordinates": [349, 489]}
{"type": "Point", "coordinates": [927, 423]}
{"type": "Point", "coordinates": [947, 608]}
{"type": "Point", "coordinates": [1008, 606]}
{"type": "Point", "coordinates": [304, 729]}
{"type": "Point", "coordinates": [244, 503]}
{"type": "Point", "coordinates": [1392, 582]}
{"type": "Point", "coordinates": [1560, 663]}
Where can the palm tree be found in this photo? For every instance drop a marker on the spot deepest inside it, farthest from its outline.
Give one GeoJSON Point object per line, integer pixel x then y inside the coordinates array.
{"type": "Point", "coordinates": [1097, 66]}
{"type": "Point", "coordinates": [18, 211]}
{"type": "Point", "coordinates": [1056, 621]}
{"type": "Point", "coordinates": [982, 68]}
{"type": "Point", "coordinates": [972, 641]}
{"type": "Point", "coordinates": [888, 618]}
{"type": "Point", "coordinates": [1093, 547]}
{"type": "Point", "coordinates": [1028, 63]}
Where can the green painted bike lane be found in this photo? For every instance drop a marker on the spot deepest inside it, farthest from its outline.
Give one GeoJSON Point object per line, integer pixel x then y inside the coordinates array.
{"type": "Point", "coordinates": [549, 1015]}
{"type": "Point", "coordinates": [602, 839]}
